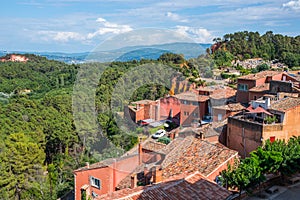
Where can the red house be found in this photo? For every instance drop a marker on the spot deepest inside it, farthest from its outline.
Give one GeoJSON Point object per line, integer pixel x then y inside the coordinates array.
{"type": "Point", "coordinates": [253, 86]}
{"type": "Point", "coordinates": [193, 107]}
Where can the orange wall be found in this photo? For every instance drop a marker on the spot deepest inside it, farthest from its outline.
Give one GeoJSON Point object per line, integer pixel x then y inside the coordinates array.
{"type": "Point", "coordinates": [291, 126]}
{"type": "Point", "coordinates": [255, 132]}
{"type": "Point", "coordinates": [187, 119]}
{"type": "Point", "coordinates": [82, 178]}
{"type": "Point", "coordinates": [224, 113]}
{"type": "Point", "coordinates": [222, 167]}
{"type": "Point", "coordinates": [168, 103]}
{"type": "Point", "coordinates": [110, 176]}
{"type": "Point", "coordinates": [139, 115]}
{"type": "Point", "coordinates": [251, 139]}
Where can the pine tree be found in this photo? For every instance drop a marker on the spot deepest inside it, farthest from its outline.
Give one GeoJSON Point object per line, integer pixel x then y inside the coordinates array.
{"type": "Point", "coordinates": [21, 166]}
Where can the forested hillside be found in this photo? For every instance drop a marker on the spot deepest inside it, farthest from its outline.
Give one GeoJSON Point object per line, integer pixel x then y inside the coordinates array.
{"type": "Point", "coordinates": [39, 143]}
{"type": "Point", "coordinates": [269, 46]}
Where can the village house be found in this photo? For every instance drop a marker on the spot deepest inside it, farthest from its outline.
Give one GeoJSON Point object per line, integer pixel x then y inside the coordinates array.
{"type": "Point", "coordinates": [14, 58]}
{"type": "Point", "coordinates": [254, 86]}
{"type": "Point", "coordinates": [193, 107]}
{"type": "Point", "coordinates": [155, 163]}
{"type": "Point", "coordinates": [144, 111]}
{"type": "Point", "coordinates": [184, 109]}
{"type": "Point", "coordinates": [222, 112]}
{"type": "Point", "coordinates": [266, 118]}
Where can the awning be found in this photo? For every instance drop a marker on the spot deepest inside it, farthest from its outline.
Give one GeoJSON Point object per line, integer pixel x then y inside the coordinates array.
{"type": "Point", "coordinates": [85, 187]}
{"type": "Point", "coordinates": [258, 109]}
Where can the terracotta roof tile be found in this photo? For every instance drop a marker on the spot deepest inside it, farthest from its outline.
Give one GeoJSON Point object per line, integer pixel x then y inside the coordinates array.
{"type": "Point", "coordinates": [191, 186]}
{"type": "Point", "coordinates": [260, 75]}
{"type": "Point", "coordinates": [261, 88]}
{"type": "Point", "coordinates": [105, 163]}
{"type": "Point", "coordinates": [231, 107]}
{"type": "Point", "coordinates": [200, 156]}
{"type": "Point", "coordinates": [145, 101]}
{"type": "Point", "coordinates": [218, 91]}
{"type": "Point", "coordinates": [191, 96]}
{"type": "Point", "coordinates": [285, 104]}
{"type": "Point", "coordinates": [154, 146]}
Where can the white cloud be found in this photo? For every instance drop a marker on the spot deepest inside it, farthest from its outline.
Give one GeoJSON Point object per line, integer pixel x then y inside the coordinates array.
{"type": "Point", "coordinates": [65, 36]}
{"type": "Point", "coordinates": [109, 28]}
{"type": "Point", "coordinates": [100, 19]}
{"type": "Point", "coordinates": [200, 35]}
{"type": "Point", "coordinates": [295, 5]}
{"type": "Point", "coordinates": [61, 36]}
{"type": "Point", "coordinates": [175, 17]}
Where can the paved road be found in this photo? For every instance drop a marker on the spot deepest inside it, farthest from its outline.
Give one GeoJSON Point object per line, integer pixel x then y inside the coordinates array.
{"type": "Point", "coordinates": [292, 193]}
{"type": "Point", "coordinates": [285, 193]}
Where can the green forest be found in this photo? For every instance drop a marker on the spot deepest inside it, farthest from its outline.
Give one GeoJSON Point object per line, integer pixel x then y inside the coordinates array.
{"type": "Point", "coordinates": [269, 46]}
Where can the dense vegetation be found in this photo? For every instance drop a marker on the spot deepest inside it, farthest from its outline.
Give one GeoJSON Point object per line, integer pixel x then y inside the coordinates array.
{"type": "Point", "coordinates": [39, 143]}
{"type": "Point", "coordinates": [269, 46]}
{"type": "Point", "coordinates": [277, 157]}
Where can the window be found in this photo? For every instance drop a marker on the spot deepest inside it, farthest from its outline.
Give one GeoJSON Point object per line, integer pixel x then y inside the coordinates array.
{"type": "Point", "coordinates": [220, 117]}
{"type": "Point", "coordinates": [195, 114]}
{"type": "Point", "coordinates": [195, 103]}
{"type": "Point", "coordinates": [95, 182]}
{"type": "Point", "coordinates": [186, 113]}
{"type": "Point", "coordinates": [242, 87]}
{"type": "Point", "coordinates": [284, 78]}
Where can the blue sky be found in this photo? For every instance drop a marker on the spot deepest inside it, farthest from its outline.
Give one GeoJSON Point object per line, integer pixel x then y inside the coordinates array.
{"type": "Point", "coordinates": [78, 26]}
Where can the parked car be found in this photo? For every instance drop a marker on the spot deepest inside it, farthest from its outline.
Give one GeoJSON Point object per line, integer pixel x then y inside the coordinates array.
{"type": "Point", "coordinates": [159, 133]}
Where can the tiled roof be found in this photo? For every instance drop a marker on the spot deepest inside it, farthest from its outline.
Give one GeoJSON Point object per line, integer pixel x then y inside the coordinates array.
{"type": "Point", "coordinates": [285, 104]}
{"type": "Point", "coordinates": [135, 108]}
{"type": "Point", "coordinates": [145, 101]}
{"type": "Point", "coordinates": [192, 186]}
{"type": "Point", "coordinates": [230, 107]}
{"type": "Point", "coordinates": [200, 156]}
{"type": "Point", "coordinates": [261, 88]}
{"type": "Point", "coordinates": [170, 151]}
{"type": "Point", "coordinates": [105, 163]}
{"type": "Point", "coordinates": [218, 91]}
{"type": "Point", "coordinates": [93, 166]}
{"type": "Point", "coordinates": [154, 146]}
{"type": "Point", "coordinates": [223, 92]}
{"type": "Point", "coordinates": [259, 75]}
{"type": "Point", "coordinates": [191, 96]}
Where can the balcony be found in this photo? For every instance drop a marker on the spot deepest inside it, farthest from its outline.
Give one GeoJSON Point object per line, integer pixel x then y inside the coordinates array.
{"type": "Point", "coordinates": [258, 122]}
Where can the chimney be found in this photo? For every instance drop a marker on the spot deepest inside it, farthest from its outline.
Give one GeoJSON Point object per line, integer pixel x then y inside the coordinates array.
{"type": "Point", "coordinates": [87, 165]}
{"type": "Point", "coordinates": [172, 136]}
{"type": "Point", "coordinates": [157, 176]}
{"type": "Point", "coordinates": [140, 151]}
{"type": "Point", "coordinates": [268, 102]}
{"type": "Point", "coordinates": [133, 182]}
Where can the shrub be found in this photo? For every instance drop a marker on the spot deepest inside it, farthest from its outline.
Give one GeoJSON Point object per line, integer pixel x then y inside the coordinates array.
{"type": "Point", "coordinates": [164, 140]}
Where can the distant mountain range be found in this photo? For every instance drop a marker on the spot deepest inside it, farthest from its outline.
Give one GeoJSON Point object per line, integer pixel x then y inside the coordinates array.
{"type": "Point", "coordinates": [189, 50]}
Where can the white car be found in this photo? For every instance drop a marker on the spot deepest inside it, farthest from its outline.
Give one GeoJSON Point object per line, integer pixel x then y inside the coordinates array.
{"type": "Point", "coordinates": [159, 133]}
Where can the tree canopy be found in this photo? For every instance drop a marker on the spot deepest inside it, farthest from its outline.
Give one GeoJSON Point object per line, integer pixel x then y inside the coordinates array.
{"type": "Point", "coordinates": [269, 46]}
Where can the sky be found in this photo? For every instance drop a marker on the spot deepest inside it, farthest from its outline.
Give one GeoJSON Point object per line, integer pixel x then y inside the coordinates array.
{"type": "Point", "coordinates": [81, 25]}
